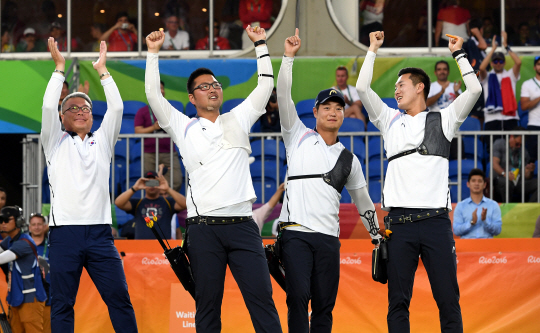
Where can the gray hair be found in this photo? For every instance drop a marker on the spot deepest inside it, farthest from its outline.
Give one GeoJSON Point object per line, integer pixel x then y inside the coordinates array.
{"type": "Point", "coordinates": [76, 94]}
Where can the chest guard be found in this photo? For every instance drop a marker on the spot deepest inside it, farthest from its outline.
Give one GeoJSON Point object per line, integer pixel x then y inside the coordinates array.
{"type": "Point", "coordinates": [434, 143]}
{"type": "Point", "coordinates": [337, 177]}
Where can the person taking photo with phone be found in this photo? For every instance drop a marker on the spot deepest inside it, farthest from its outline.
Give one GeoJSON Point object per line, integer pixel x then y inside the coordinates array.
{"type": "Point", "coordinates": [152, 204]}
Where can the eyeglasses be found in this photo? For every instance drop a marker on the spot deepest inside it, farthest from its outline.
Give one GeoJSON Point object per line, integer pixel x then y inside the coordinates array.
{"type": "Point", "coordinates": [498, 61]}
{"type": "Point", "coordinates": [75, 109]}
{"type": "Point", "coordinates": [206, 86]}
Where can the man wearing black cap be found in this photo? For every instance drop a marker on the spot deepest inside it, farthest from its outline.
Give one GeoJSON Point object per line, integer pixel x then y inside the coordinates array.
{"type": "Point", "coordinates": [530, 100]}
{"type": "Point", "coordinates": [153, 204]}
{"type": "Point", "coordinates": [494, 92]}
{"type": "Point", "coordinates": [318, 169]}
{"type": "Point", "coordinates": [416, 194]}
{"type": "Point", "coordinates": [26, 295]}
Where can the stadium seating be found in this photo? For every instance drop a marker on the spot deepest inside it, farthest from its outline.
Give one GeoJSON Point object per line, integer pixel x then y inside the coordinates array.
{"type": "Point", "coordinates": [466, 167]}
{"type": "Point", "coordinates": [98, 109]}
{"type": "Point", "coordinates": [305, 108]}
{"type": "Point", "coordinates": [128, 126]}
{"type": "Point", "coordinates": [131, 108]}
{"type": "Point", "coordinates": [190, 110]}
{"type": "Point", "coordinates": [177, 105]}
{"type": "Point", "coordinates": [270, 150]}
{"type": "Point", "coordinates": [309, 122]}
{"type": "Point", "coordinates": [231, 104]}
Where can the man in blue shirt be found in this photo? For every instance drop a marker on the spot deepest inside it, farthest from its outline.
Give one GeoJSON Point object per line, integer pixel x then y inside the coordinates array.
{"type": "Point", "coordinates": [477, 216]}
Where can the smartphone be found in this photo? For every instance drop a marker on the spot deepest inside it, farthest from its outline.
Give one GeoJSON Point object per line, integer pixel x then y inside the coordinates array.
{"type": "Point", "coordinates": [125, 25]}
{"type": "Point", "coordinates": [152, 183]}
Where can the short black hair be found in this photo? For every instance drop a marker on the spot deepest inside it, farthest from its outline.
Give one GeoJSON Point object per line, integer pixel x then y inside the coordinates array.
{"type": "Point", "coordinates": [122, 14]}
{"type": "Point", "coordinates": [2, 190]}
{"type": "Point", "coordinates": [343, 68]}
{"type": "Point", "coordinates": [417, 76]}
{"type": "Point", "coordinates": [517, 129]}
{"type": "Point", "coordinates": [476, 172]}
{"type": "Point", "coordinates": [475, 23]}
{"type": "Point", "coordinates": [442, 62]}
{"type": "Point", "coordinates": [196, 73]}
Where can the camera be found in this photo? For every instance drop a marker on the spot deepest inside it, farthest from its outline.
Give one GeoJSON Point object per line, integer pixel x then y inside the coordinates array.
{"type": "Point", "coordinates": [125, 25]}
{"type": "Point", "coordinates": [152, 183]}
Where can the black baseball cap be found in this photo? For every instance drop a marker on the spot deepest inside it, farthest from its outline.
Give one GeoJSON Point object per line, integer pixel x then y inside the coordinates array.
{"type": "Point", "coordinates": [498, 55]}
{"type": "Point", "coordinates": [150, 174]}
{"type": "Point", "coordinates": [8, 212]}
{"type": "Point", "coordinates": [328, 94]}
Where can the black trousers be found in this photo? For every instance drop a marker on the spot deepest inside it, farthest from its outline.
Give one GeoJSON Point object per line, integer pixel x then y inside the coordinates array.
{"type": "Point", "coordinates": [432, 240]}
{"type": "Point", "coordinates": [210, 249]}
{"type": "Point", "coordinates": [311, 262]}
{"type": "Point", "coordinates": [531, 142]}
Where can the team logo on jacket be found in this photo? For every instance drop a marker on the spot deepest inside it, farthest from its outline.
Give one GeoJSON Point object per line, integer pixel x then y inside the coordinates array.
{"type": "Point", "coordinates": [93, 142]}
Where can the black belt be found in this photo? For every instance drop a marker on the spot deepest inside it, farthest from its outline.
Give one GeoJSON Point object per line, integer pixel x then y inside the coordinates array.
{"type": "Point", "coordinates": [283, 225]}
{"type": "Point", "coordinates": [400, 219]}
{"type": "Point", "coordinates": [217, 220]}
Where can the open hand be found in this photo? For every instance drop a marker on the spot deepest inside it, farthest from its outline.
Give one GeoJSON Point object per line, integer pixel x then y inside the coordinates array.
{"type": "Point", "coordinates": [474, 217]}
{"type": "Point", "coordinates": [58, 58]}
{"type": "Point", "coordinates": [292, 44]}
{"type": "Point", "coordinates": [154, 41]}
{"type": "Point", "coordinates": [100, 64]}
{"type": "Point", "coordinates": [255, 33]}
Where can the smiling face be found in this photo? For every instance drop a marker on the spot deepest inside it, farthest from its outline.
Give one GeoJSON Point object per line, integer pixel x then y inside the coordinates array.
{"type": "Point", "coordinates": [407, 93]}
{"type": "Point", "coordinates": [37, 226]}
{"type": "Point", "coordinates": [209, 100]}
{"type": "Point", "coordinates": [441, 72]}
{"type": "Point", "coordinates": [77, 121]}
{"type": "Point", "coordinates": [341, 78]}
{"type": "Point", "coordinates": [498, 65]}
{"type": "Point", "coordinates": [329, 115]}
{"type": "Point", "coordinates": [476, 184]}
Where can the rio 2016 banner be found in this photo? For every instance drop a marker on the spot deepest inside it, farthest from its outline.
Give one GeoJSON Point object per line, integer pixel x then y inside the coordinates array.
{"type": "Point", "coordinates": [499, 288]}
{"type": "Point", "coordinates": [21, 99]}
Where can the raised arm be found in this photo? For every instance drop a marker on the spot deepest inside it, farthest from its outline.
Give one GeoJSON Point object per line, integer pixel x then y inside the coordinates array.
{"type": "Point", "coordinates": [112, 121]}
{"type": "Point", "coordinates": [512, 54]}
{"type": "Point", "coordinates": [367, 212]}
{"type": "Point", "coordinates": [287, 110]}
{"type": "Point", "coordinates": [160, 106]}
{"type": "Point", "coordinates": [372, 102]}
{"type": "Point", "coordinates": [463, 105]}
{"type": "Point", "coordinates": [265, 83]}
{"type": "Point", "coordinates": [50, 123]}
{"type": "Point", "coordinates": [484, 65]}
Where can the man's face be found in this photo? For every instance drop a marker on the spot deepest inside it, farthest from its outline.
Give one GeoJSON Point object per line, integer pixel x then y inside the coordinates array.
{"type": "Point", "coordinates": [476, 184]}
{"type": "Point", "coordinates": [341, 77]}
{"type": "Point", "coordinates": [30, 38]}
{"type": "Point", "coordinates": [77, 121]}
{"type": "Point", "coordinates": [498, 65]}
{"type": "Point", "coordinates": [524, 31]}
{"type": "Point", "coordinates": [3, 198]}
{"type": "Point", "coordinates": [441, 72]}
{"type": "Point", "coordinates": [123, 19]}
{"type": "Point", "coordinates": [537, 67]}
{"type": "Point", "coordinates": [211, 99]}
{"type": "Point", "coordinates": [329, 115]}
{"type": "Point", "coordinates": [514, 141]}
{"type": "Point", "coordinates": [172, 23]}
{"type": "Point", "coordinates": [56, 33]}
{"type": "Point", "coordinates": [37, 226]}
{"type": "Point", "coordinates": [406, 92]}
{"type": "Point", "coordinates": [9, 226]}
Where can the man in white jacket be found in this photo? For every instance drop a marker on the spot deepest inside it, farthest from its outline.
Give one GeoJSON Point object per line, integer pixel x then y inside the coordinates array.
{"type": "Point", "coordinates": [416, 193]}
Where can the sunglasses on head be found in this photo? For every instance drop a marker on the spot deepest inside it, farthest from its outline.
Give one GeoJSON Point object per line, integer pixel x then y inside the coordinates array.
{"type": "Point", "coordinates": [498, 61]}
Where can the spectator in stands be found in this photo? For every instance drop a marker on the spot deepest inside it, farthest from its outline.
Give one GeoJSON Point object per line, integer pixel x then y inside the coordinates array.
{"type": "Point", "coordinates": [96, 30]}
{"type": "Point", "coordinates": [27, 296]}
{"type": "Point", "coordinates": [442, 92]}
{"type": "Point", "coordinates": [488, 30]}
{"type": "Point", "coordinates": [371, 18]}
{"type": "Point", "coordinates": [256, 13]}
{"type": "Point", "coordinates": [530, 100]}
{"type": "Point", "coordinates": [153, 204]}
{"type": "Point", "coordinates": [175, 39]}
{"type": "Point", "coordinates": [3, 197]}
{"type": "Point", "coordinates": [58, 32]}
{"type": "Point", "coordinates": [518, 168]}
{"type": "Point", "coordinates": [220, 43]}
{"type": "Point", "coordinates": [353, 105]}
{"type": "Point", "coordinates": [261, 214]}
{"type": "Point", "coordinates": [477, 216]}
{"type": "Point", "coordinates": [453, 20]}
{"type": "Point", "coordinates": [38, 229]}
{"type": "Point", "coordinates": [30, 42]}
{"type": "Point", "coordinates": [523, 37]}
{"type": "Point", "coordinates": [475, 48]}
{"type": "Point", "coordinates": [499, 85]}
{"type": "Point", "coordinates": [270, 120]}
{"type": "Point", "coordinates": [122, 36]}
{"type": "Point", "coordinates": [7, 40]}
{"type": "Point", "coordinates": [146, 122]}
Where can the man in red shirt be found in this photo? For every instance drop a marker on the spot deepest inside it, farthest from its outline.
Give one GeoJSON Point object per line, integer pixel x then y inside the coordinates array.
{"type": "Point", "coordinates": [122, 36]}
{"type": "Point", "coordinates": [256, 13]}
{"type": "Point", "coordinates": [220, 43]}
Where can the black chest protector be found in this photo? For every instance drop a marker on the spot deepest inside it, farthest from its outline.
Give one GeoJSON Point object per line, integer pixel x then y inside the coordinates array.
{"type": "Point", "coordinates": [337, 177]}
{"type": "Point", "coordinates": [434, 143]}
